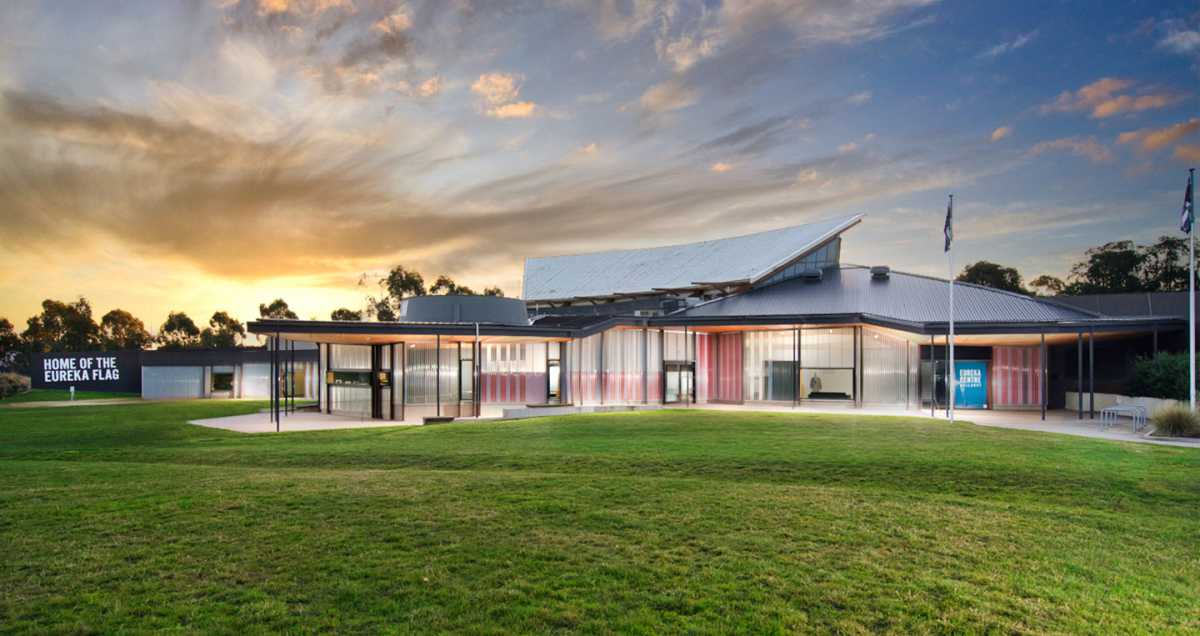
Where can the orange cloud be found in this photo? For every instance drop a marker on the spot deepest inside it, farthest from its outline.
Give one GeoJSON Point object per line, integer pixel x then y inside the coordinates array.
{"type": "Point", "coordinates": [721, 166]}
{"type": "Point", "coordinates": [1103, 99]}
{"type": "Point", "coordinates": [1150, 140]}
{"type": "Point", "coordinates": [499, 92]}
{"type": "Point", "coordinates": [1187, 152]}
{"type": "Point", "coordinates": [1001, 133]}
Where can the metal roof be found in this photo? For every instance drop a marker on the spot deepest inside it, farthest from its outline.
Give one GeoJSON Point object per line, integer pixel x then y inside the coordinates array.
{"type": "Point", "coordinates": [1131, 304]}
{"type": "Point", "coordinates": [747, 258]}
{"type": "Point", "coordinates": [900, 297]}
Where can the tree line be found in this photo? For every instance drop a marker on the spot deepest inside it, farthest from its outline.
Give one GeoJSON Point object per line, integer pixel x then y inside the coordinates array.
{"type": "Point", "coordinates": [1115, 267]}
{"type": "Point", "coordinates": [71, 326]}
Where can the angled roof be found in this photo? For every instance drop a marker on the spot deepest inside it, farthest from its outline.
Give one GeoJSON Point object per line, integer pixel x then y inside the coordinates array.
{"type": "Point", "coordinates": [748, 258]}
{"type": "Point", "coordinates": [1131, 304]}
{"type": "Point", "coordinates": [900, 297]}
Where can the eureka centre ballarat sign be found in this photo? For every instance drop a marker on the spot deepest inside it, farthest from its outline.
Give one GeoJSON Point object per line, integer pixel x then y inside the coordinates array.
{"type": "Point", "coordinates": [88, 371]}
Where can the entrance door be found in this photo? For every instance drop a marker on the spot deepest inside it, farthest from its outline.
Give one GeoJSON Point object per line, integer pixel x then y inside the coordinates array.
{"type": "Point", "coordinates": [679, 382]}
{"type": "Point", "coordinates": [553, 392]}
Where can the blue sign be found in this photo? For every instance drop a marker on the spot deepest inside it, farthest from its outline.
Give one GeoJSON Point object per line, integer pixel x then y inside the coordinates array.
{"type": "Point", "coordinates": [971, 387]}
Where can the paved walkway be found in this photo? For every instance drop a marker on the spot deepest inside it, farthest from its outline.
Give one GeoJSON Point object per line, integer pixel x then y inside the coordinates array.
{"type": "Point", "coordinates": [299, 421]}
{"type": "Point", "coordinates": [49, 404]}
{"type": "Point", "coordinates": [1062, 422]}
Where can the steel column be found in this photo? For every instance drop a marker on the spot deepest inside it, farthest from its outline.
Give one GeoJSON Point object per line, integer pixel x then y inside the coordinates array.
{"type": "Point", "coordinates": [1092, 373]}
{"type": "Point", "coordinates": [932, 379]}
{"type": "Point", "coordinates": [1079, 376]}
{"type": "Point", "coordinates": [437, 374]}
{"type": "Point", "coordinates": [1043, 381]}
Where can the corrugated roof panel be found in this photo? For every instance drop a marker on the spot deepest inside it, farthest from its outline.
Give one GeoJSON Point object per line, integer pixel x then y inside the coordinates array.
{"type": "Point", "coordinates": [906, 297]}
{"type": "Point", "coordinates": [674, 266]}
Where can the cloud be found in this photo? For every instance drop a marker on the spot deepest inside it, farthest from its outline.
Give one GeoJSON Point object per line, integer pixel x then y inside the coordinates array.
{"type": "Point", "coordinates": [1182, 41]}
{"type": "Point", "coordinates": [394, 23]}
{"type": "Point", "coordinates": [721, 166]}
{"type": "Point", "coordinates": [755, 138]}
{"type": "Point", "coordinates": [1150, 140]}
{"type": "Point", "coordinates": [430, 87]}
{"type": "Point", "coordinates": [1009, 46]}
{"type": "Point", "coordinates": [1102, 99]}
{"type": "Point", "coordinates": [858, 99]}
{"type": "Point", "coordinates": [1001, 133]}
{"type": "Point", "coordinates": [1088, 148]}
{"type": "Point", "coordinates": [1187, 152]}
{"type": "Point", "coordinates": [847, 147]}
{"type": "Point", "coordinates": [668, 96]}
{"type": "Point", "coordinates": [499, 92]}
{"type": "Point", "coordinates": [817, 21]}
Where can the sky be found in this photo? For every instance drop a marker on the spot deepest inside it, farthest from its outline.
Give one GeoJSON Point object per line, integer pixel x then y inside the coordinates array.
{"type": "Point", "coordinates": [214, 155]}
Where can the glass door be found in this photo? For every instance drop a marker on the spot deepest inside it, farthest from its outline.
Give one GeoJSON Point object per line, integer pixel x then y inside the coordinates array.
{"type": "Point", "coordinates": [552, 381]}
{"type": "Point", "coordinates": [679, 382]}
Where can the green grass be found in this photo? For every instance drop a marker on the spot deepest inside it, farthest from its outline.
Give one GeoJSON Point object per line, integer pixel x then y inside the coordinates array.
{"type": "Point", "coordinates": [123, 518]}
{"type": "Point", "coordinates": [51, 395]}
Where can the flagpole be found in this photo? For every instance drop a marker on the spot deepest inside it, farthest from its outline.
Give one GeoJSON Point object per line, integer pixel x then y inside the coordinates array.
{"type": "Point", "coordinates": [1191, 299]}
{"type": "Point", "coordinates": [952, 385]}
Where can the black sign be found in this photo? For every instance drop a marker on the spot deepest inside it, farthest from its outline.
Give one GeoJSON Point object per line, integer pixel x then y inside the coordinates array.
{"type": "Point", "coordinates": [91, 371]}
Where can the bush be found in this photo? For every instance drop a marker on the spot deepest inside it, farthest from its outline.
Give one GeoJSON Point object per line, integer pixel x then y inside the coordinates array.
{"type": "Point", "coordinates": [1161, 376]}
{"type": "Point", "coordinates": [12, 384]}
{"type": "Point", "coordinates": [1176, 421]}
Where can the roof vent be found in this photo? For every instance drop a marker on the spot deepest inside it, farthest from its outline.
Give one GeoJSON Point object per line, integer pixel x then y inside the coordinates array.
{"type": "Point", "coordinates": [812, 275]}
{"type": "Point", "coordinates": [880, 272]}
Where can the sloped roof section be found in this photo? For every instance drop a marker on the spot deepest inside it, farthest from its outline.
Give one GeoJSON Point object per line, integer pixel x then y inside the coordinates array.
{"type": "Point", "coordinates": [741, 258]}
{"type": "Point", "coordinates": [901, 297]}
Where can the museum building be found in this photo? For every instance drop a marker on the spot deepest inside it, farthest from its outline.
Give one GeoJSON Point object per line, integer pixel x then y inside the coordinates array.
{"type": "Point", "coordinates": [773, 318]}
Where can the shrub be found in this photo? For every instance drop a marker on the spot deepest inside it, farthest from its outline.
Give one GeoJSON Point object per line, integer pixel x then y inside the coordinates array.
{"type": "Point", "coordinates": [1161, 376]}
{"type": "Point", "coordinates": [1176, 421]}
{"type": "Point", "coordinates": [12, 384]}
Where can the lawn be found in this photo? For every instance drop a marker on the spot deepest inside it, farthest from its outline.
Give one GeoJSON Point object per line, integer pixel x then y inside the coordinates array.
{"type": "Point", "coordinates": [51, 395]}
{"type": "Point", "coordinates": [124, 518]}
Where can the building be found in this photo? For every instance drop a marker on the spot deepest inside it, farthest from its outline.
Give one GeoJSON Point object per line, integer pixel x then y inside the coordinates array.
{"type": "Point", "coordinates": [177, 373]}
{"type": "Point", "coordinates": [768, 318]}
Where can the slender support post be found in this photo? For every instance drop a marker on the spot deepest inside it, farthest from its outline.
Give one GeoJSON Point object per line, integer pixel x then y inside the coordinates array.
{"type": "Point", "coordinates": [1042, 380]}
{"type": "Point", "coordinates": [292, 376]}
{"type": "Point", "coordinates": [1079, 376]}
{"type": "Point", "coordinates": [1191, 302]}
{"type": "Point", "coordinates": [392, 388]}
{"type": "Point", "coordinates": [475, 351]}
{"type": "Point", "coordinates": [645, 365]}
{"type": "Point", "coordinates": [799, 362]}
{"type": "Point", "coordinates": [437, 383]}
{"type": "Point", "coordinates": [600, 369]}
{"type": "Point", "coordinates": [1092, 373]}
{"type": "Point", "coordinates": [795, 367]}
{"type": "Point", "coordinates": [949, 383]}
{"type": "Point", "coordinates": [403, 381]}
{"type": "Point", "coordinates": [685, 358]}
{"type": "Point", "coordinates": [932, 378]}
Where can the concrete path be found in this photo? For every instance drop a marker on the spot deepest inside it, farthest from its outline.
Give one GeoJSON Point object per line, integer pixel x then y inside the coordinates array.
{"type": "Point", "coordinates": [299, 421]}
{"type": "Point", "coordinates": [49, 404]}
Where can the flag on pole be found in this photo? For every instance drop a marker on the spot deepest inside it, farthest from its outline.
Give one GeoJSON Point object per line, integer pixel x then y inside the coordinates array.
{"type": "Point", "coordinates": [948, 230]}
{"type": "Point", "coordinates": [1188, 214]}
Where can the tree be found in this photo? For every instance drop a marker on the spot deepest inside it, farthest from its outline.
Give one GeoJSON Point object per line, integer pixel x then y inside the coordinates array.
{"type": "Point", "coordinates": [346, 314]}
{"type": "Point", "coordinates": [119, 329]}
{"type": "Point", "coordinates": [10, 345]}
{"type": "Point", "coordinates": [1165, 265]}
{"type": "Point", "coordinates": [990, 274]}
{"type": "Point", "coordinates": [223, 332]}
{"type": "Point", "coordinates": [401, 283]}
{"type": "Point", "coordinates": [178, 332]}
{"type": "Point", "coordinates": [1051, 285]}
{"type": "Point", "coordinates": [493, 291]}
{"type": "Point", "coordinates": [278, 309]}
{"type": "Point", "coordinates": [446, 285]}
{"type": "Point", "coordinates": [381, 309]}
{"type": "Point", "coordinates": [62, 327]}
{"type": "Point", "coordinates": [1110, 268]}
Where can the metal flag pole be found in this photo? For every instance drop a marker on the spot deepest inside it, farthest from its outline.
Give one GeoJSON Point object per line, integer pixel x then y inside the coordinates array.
{"type": "Point", "coordinates": [1189, 211]}
{"type": "Point", "coordinates": [952, 385]}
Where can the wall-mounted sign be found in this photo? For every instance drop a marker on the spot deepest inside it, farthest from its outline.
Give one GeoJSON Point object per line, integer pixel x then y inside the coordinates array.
{"type": "Point", "coordinates": [97, 371]}
{"type": "Point", "coordinates": [971, 387]}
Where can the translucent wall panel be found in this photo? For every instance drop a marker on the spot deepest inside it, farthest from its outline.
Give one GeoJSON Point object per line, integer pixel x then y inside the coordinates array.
{"type": "Point", "coordinates": [623, 358]}
{"type": "Point", "coordinates": [256, 380]}
{"type": "Point", "coordinates": [654, 365]}
{"type": "Point", "coordinates": [827, 348]}
{"type": "Point", "coordinates": [675, 346]}
{"type": "Point", "coordinates": [159, 383]}
{"type": "Point", "coordinates": [346, 357]}
{"type": "Point", "coordinates": [1016, 377]}
{"type": "Point", "coordinates": [770, 373]}
{"type": "Point", "coordinates": [885, 368]}
{"type": "Point", "coordinates": [449, 373]}
{"type": "Point", "coordinates": [585, 370]}
{"type": "Point", "coordinates": [726, 373]}
{"type": "Point", "coordinates": [352, 400]}
{"type": "Point", "coordinates": [420, 374]}
{"type": "Point", "coordinates": [513, 373]}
